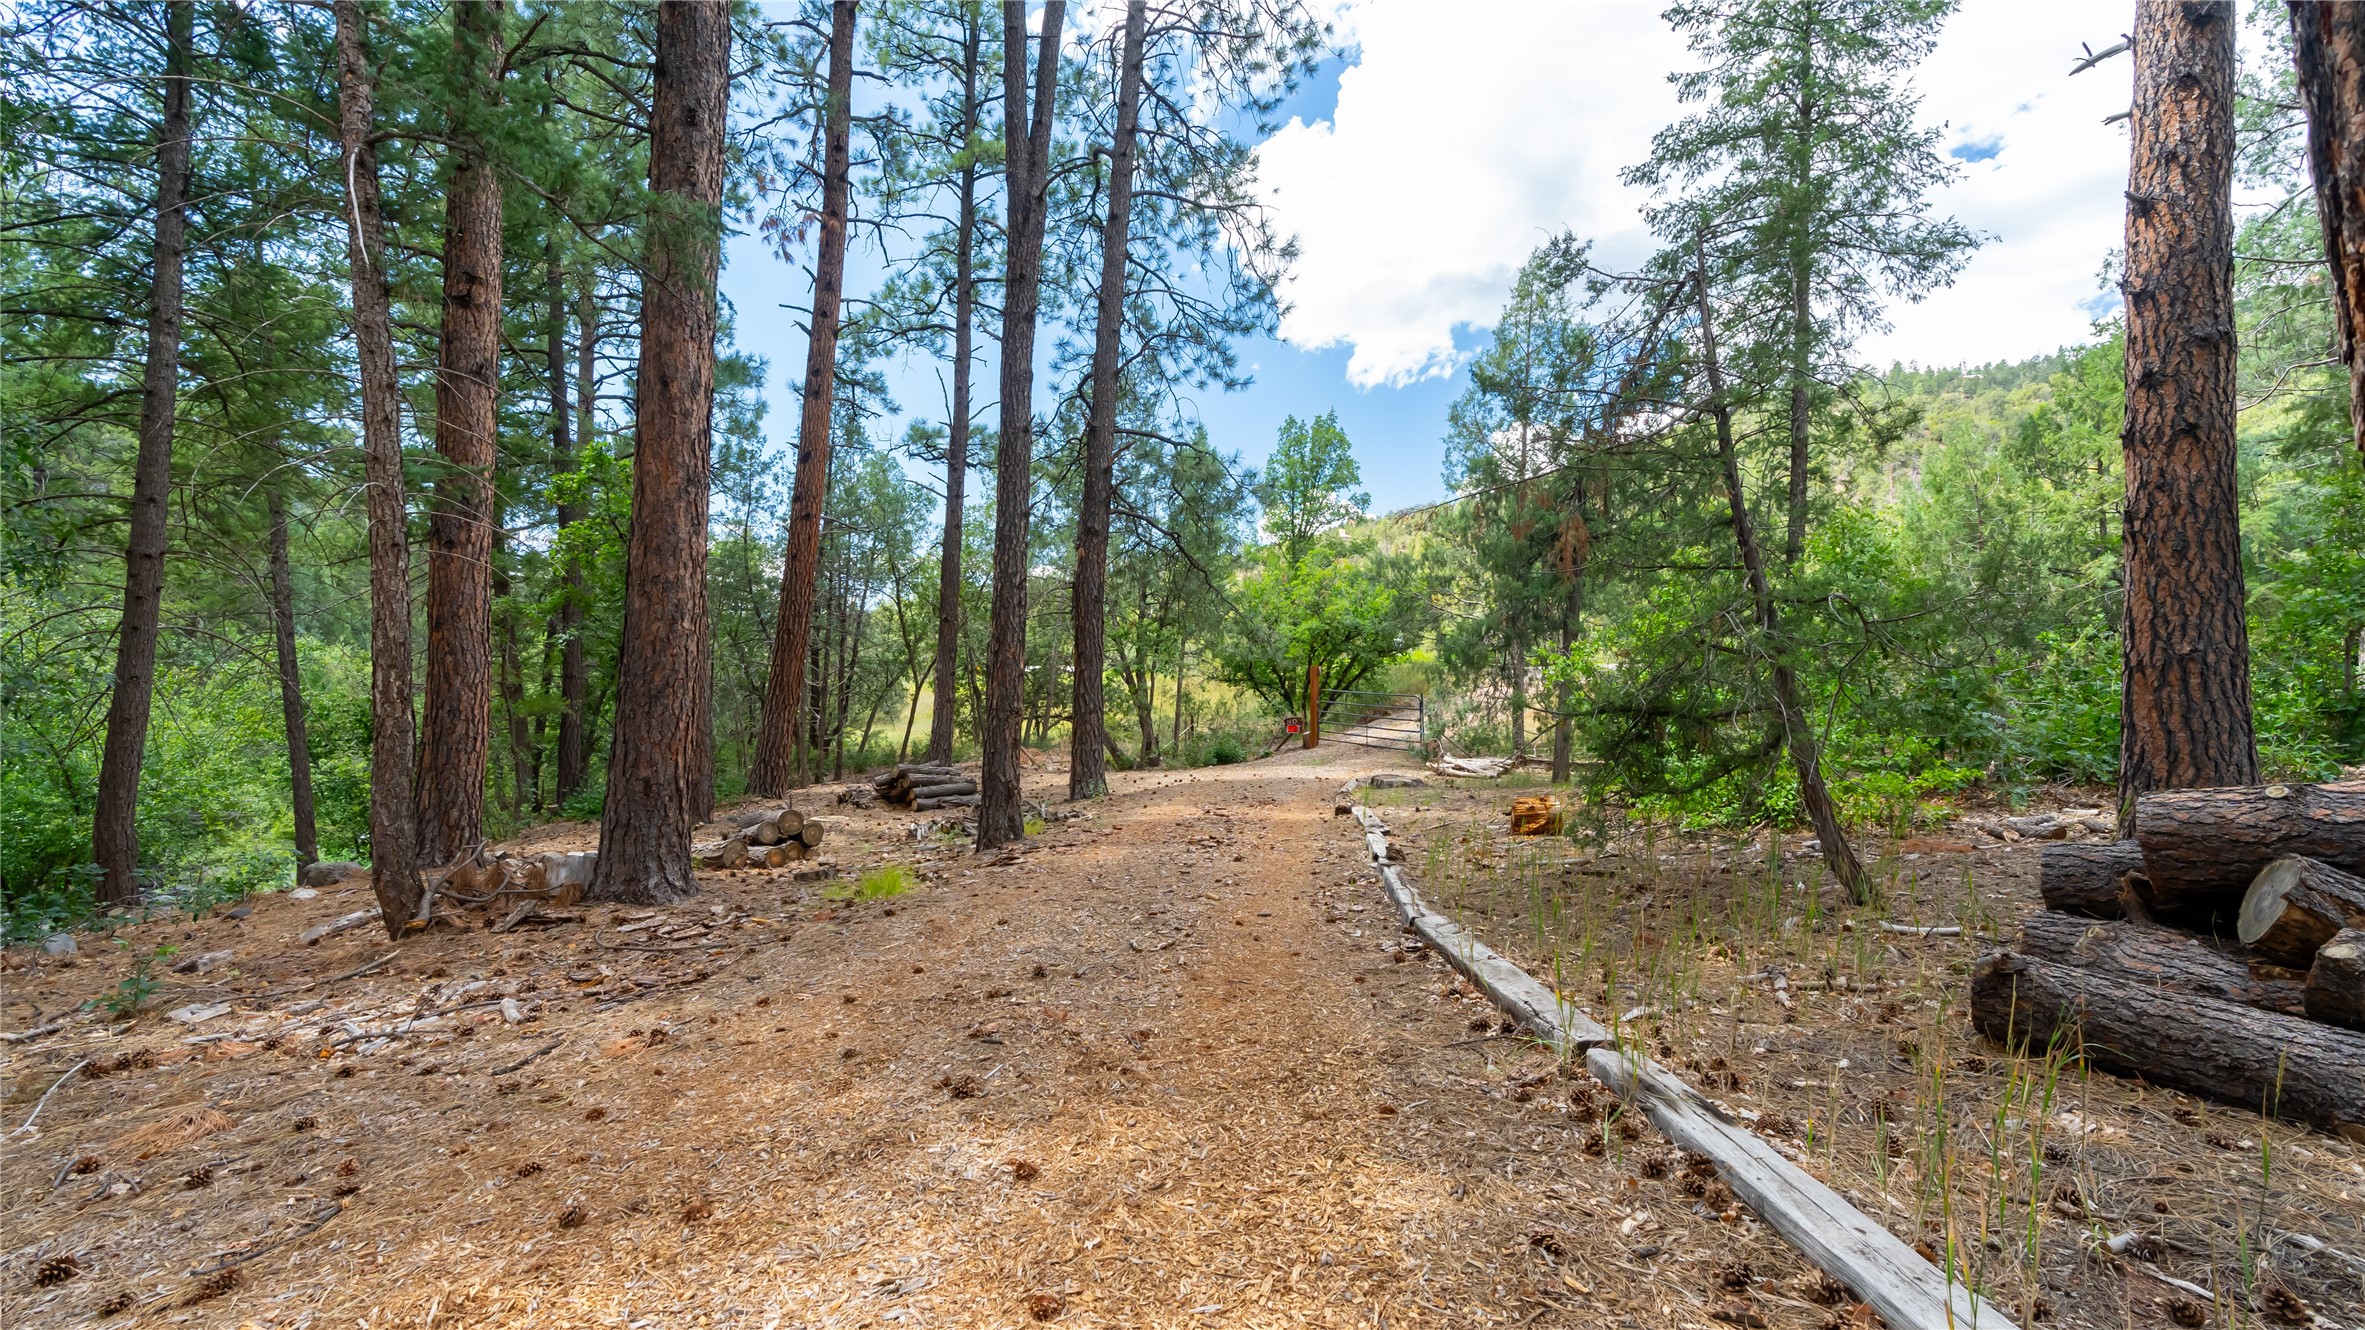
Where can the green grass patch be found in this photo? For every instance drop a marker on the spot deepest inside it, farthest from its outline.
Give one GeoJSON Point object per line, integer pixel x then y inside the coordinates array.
{"type": "Point", "coordinates": [882, 883]}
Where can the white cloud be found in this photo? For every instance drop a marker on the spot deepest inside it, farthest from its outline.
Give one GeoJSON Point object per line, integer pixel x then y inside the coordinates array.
{"type": "Point", "coordinates": [1466, 134]}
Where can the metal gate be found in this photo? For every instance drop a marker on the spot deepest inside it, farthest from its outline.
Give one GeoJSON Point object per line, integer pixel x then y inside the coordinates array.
{"type": "Point", "coordinates": [1375, 720]}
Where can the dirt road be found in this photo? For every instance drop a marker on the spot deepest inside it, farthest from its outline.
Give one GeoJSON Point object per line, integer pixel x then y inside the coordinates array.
{"type": "Point", "coordinates": [1166, 1068]}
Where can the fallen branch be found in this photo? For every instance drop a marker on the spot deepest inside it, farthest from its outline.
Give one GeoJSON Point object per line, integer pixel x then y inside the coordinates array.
{"type": "Point", "coordinates": [1910, 930]}
{"type": "Point", "coordinates": [20, 1036]}
{"type": "Point", "coordinates": [241, 1257]}
{"type": "Point", "coordinates": [311, 936]}
{"type": "Point", "coordinates": [355, 973]}
{"type": "Point", "coordinates": [45, 1094]}
{"type": "Point", "coordinates": [528, 1060]}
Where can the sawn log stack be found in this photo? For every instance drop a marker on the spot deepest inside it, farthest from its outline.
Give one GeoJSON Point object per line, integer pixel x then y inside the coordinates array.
{"type": "Point", "coordinates": [2220, 951]}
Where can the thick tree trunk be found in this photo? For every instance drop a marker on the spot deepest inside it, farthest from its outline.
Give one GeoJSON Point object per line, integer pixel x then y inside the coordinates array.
{"type": "Point", "coordinates": [2083, 877]}
{"type": "Point", "coordinates": [652, 787]}
{"type": "Point", "coordinates": [574, 664]}
{"type": "Point", "coordinates": [2295, 906]}
{"type": "Point", "coordinates": [115, 839]}
{"type": "Point", "coordinates": [944, 708]}
{"type": "Point", "coordinates": [291, 683]}
{"type": "Point", "coordinates": [2173, 961]}
{"type": "Point", "coordinates": [394, 863]}
{"type": "Point", "coordinates": [2336, 982]}
{"type": "Point", "coordinates": [2328, 46]}
{"type": "Point", "coordinates": [2259, 1060]}
{"type": "Point", "coordinates": [1088, 730]}
{"type": "Point", "coordinates": [1001, 817]}
{"type": "Point", "coordinates": [2184, 710]}
{"type": "Point", "coordinates": [2202, 848]}
{"type": "Point", "coordinates": [792, 628]}
{"type": "Point", "coordinates": [456, 708]}
{"type": "Point", "coordinates": [1797, 727]}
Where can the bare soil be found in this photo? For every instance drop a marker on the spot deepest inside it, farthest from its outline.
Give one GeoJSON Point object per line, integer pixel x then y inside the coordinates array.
{"type": "Point", "coordinates": [1168, 1066]}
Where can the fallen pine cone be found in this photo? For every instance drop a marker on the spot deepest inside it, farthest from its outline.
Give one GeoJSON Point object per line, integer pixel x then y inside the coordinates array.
{"type": "Point", "coordinates": [122, 1301]}
{"type": "Point", "coordinates": [212, 1286]}
{"type": "Point", "coordinates": [1024, 1170]}
{"type": "Point", "coordinates": [1045, 1306]}
{"type": "Point", "coordinates": [2186, 1312]}
{"type": "Point", "coordinates": [1547, 1242]}
{"type": "Point", "coordinates": [2281, 1304]}
{"type": "Point", "coordinates": [572, 1217]}
{"type": "Point", "coordinates": [1821, 1289]}
{"type": "Point", "coordinates": [55, 1270]}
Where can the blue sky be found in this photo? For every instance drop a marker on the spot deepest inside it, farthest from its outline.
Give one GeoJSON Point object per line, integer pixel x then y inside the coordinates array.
{"type": "Point", "coordinates": [1427, 159]}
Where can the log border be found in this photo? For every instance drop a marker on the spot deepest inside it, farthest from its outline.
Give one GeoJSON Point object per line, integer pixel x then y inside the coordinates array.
{"type": "Point", "coordinates": [1908, 1292]}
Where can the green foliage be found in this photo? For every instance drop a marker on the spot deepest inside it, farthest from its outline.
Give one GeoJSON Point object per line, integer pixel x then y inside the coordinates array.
{"type": "Point", "coordinates": [885, 882]}
{"type": "Point", "coordinates": [133, 990]}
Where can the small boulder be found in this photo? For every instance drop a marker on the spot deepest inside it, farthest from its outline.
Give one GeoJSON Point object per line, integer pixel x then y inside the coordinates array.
{"type": "Point", "coordinates": [328, 873]}
{"type": "Point", "coordinates": [60, 944]}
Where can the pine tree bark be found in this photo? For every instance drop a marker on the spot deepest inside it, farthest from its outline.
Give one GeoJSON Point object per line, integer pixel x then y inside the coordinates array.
{"type": "Point", "coordinates": [2083, 878]}
{"type": "Point", "coordinates": [2184, 710]}
{"type": "Point", "coordinates": [394, 863]}
{"type": "Point", "coordinates": [2328, 46]}
{"type": "Point", "coordinates": [574, 664]}
{"type": "Point", "coordinates": [1001, 818]}
{"type": "Point", "coordinates": [2164, 958]}
{"type": "Point", "coordinates": [2203, 848]}
{"type": "Point", "coordinates": [291, 683]}
{"type": "Point", "coordinates": [1088, 727]}
{"type": "Point", "coordinates": [652, 787]}
{"type": "Point", "coordinates": [944, 704]}
{"type": "Point", "coordinates": [792, 628]}
{"type": "Point", "coordinates": [2336, 982]}
{"type": "Point", "coordinates": [115, 839]}
{"type": "Point", "coordinates": [1789, 699]}
{"type": "Point", "coordinates": [456, 706]}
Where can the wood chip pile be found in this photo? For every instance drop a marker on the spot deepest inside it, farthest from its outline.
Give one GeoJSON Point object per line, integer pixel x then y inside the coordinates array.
{"type": "Point", "coordinates": [923, 788]}
{"type": "Point", "coordinates": [2130, 960]}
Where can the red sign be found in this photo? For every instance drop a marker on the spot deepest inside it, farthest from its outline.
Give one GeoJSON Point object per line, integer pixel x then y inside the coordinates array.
{"type": "Point", "coordinates": [1293, 726]}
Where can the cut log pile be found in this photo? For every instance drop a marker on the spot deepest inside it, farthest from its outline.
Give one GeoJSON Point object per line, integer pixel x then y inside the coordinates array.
{"type": "Point", "coordinates": [923, 788]}
{"type": "Point", "coordinates": [2220, 951]}
{"type": "Point", "coordinates": [767, 838]}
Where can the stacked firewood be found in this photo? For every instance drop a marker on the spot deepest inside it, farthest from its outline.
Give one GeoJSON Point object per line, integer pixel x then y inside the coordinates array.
{"type": "Point", "coordinates": [924, 788]}
{"type": "Point", "coordinates": [2219, 951]}
{"type": "Point", "coordinates": [767, 838]}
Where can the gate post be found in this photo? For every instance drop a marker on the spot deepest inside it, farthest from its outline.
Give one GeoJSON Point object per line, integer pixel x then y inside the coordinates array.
{"type": "Point", "coordinates": [1313, 704]}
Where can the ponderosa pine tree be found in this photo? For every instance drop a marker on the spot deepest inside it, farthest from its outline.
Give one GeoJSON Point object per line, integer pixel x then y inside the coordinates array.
{"type": "Point", "coordinates": [2184, 711]}
{"type": "Point", "coordinates": [1088, 727]}
{"type": "Point", "coordinates": [2328, 49]}
{"type": "Point", "coordinates": [115, 841]}
{"type": "Point", "coordinates": [646, 820]}
{"type": "Point", "coordinates": [394, 862]}
{"type": "Point", "coordinates": [1027, 159]}
{"type": "Point", "coordinates": [456, 710]}
{"type": "Point", "coordinates": [785, 693]}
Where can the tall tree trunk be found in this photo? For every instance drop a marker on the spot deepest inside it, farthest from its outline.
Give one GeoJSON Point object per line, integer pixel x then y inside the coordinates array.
{"type": "Point", "coordinates": [1789, 699]}
{"type": "Point", "coordinates": [1001, 817]}
{"type": "Point", "coordinates": [785, 689]}
{"type": "Point", "coordinates": [1182, 647]}
{"type": "Point", "coordinates": [291, 681]}
{"type": "Point", "coordinates": [944, 708]}
{"type": "Point", "coordinates": [1572, 620]}
{"type": "Point", "coordinates": [456, 710]}
{"type": "Point", "coordinates": [115, 838]}
{"type": "Point", "coordinates": [394, 863]}
{"type": "Point", "coordinates": [2184, 710]}
{"type": "Point", "coordinates": [646, 819]}
{"type": "Point", "coordinates": [574, 664]}
{"type": "Point", "coordinates": [1515, 675]}
{"type": "Point", "coordinates": [2328, 46]}
{"type": "Point", "coordinates": [513, 700]}
{"type": "Point", "coordinates": [1087, 776]}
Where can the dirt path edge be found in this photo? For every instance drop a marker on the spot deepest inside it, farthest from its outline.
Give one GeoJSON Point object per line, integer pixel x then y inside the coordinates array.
{"type": "Point", "coordinates": [1908, 1292]}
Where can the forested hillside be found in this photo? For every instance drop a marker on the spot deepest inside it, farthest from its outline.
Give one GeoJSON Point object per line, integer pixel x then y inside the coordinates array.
{"type": "Point", "coordinates": [315, 555]}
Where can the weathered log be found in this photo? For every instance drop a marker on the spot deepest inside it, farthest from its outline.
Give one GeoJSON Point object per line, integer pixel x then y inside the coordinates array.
{"type": "Point", "coordinates": [2083, 878]}
{"type": "Point", "coordinates": [948, 801]}
{"type": "Point", "coordinates": [750, 817]}
{"type": "Point", "coordinates": [2201, 848]}
{"type": "Point", "coordinates": [811, 834]}
{"type": "Point", "coordinates": [2260, 1060]}
{"type": "Point", "coordinates": [2336, 982]}
{"type": "Point", "coordinates": [2295, 905]}
{"type": "Point", "coordinates": [763, 833]}
{"type": "Point", "coordinates": [789, 823]}
{"type": "Point", "coordinates": [311, 937]}
{"type": "Point", "coordinates": [944, 789]}
{"type": "Point", "coordinates": [2169, 960]}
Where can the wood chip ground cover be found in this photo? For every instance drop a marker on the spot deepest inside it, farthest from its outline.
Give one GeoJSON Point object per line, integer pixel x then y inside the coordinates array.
{"type": "Point", "coordinates": [2072, 1199]}
{"type": "Point", "coordinates": [1130, 1077]}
